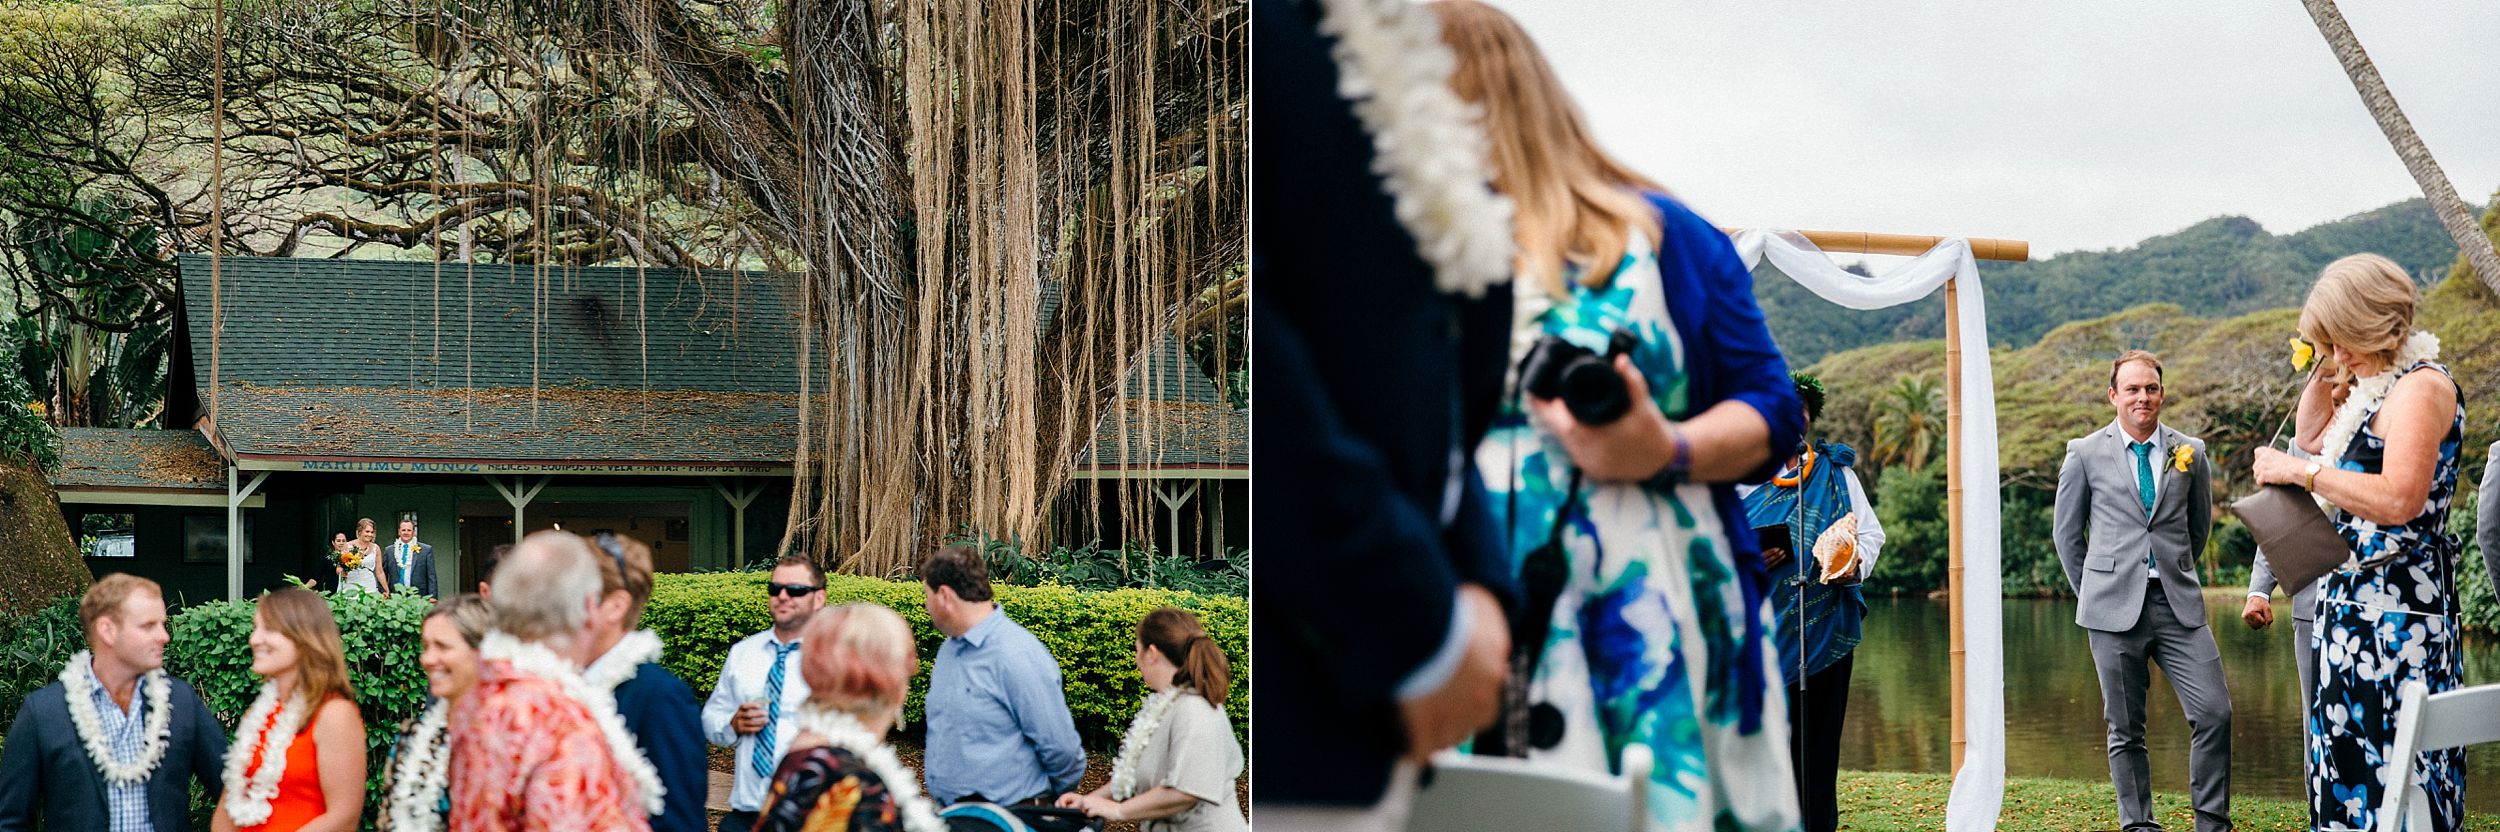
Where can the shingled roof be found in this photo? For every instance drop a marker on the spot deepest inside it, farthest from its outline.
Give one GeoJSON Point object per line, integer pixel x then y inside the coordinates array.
{"type": "Point", "coordinates": [1169, 417]}
{"type": "Point", "coordinates": [125, 459]}
{"type": "Point", "coordinates": [405, 360]}
{"type": "Point", "coordinates": [380, 359]}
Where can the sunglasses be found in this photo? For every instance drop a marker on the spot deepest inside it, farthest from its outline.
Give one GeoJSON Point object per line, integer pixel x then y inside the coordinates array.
{"type": "Point", "coordinates": [792, 590]}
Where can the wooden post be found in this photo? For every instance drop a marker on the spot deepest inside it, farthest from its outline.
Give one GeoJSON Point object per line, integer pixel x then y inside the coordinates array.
{"type": "Point", "coordinates": [1953, 505]}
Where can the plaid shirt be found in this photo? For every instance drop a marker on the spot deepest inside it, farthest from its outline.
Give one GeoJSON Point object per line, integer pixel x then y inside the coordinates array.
{"type": "Point", "coordinates": [125, 733]}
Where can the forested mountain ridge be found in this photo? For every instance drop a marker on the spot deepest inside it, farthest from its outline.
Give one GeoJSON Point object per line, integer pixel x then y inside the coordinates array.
{"type": "Point", "coordinates": [2218, 268]}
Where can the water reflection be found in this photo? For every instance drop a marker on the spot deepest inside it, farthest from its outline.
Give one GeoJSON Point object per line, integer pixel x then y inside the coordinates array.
{"type": "Point", "coordinates": [1900, 703]}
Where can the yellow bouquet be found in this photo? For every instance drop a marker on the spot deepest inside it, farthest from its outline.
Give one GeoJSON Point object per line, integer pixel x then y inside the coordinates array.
{"type": "Point", "coordinates": [350, 559]}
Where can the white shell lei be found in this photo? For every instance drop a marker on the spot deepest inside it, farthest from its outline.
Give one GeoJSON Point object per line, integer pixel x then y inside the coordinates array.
{"type": "Point", "coordinates": [620, 663]}
{"type": "Point", "coordinates": [1141, 731]}
{"type": "Point", "coordinates": [78, 684]}
{"type": "Point", "coordinates": [842, 730]}
{"type": "Point", "coordinates": [2365, 397]}
{"type": "Point", "coordinates": [274, 727]}
{"type": "Point", "coordinates": [420, 777]}
{"type": "Point", "coordinates": [1427, 145]}
{"type": "Point", "coordinates": [537, 660]}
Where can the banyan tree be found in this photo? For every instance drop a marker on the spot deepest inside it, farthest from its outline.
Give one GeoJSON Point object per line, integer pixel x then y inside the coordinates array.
{"type": "Point", "coordinates": [986, 210]}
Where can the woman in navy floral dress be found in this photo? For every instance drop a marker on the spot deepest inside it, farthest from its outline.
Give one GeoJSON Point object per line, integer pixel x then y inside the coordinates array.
{"type": "Point", "coordinates": [2386, 431]}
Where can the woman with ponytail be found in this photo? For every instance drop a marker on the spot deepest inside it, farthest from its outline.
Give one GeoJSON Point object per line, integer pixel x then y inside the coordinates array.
{"type": "Point", "coordinates": [1179, 761]}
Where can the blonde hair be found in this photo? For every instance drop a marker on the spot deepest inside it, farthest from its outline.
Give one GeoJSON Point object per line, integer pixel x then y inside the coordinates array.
{"type": "Point", "coordinates": [104, 599]}
{"type": "Point", "coordinates": [1573, 203]}
{"type": "Point", "coordinates": [303, 618]}
{"type": "Point", "coordinates": [859, 659]}
{"type": "Point", "coordinates": [2364, 303]}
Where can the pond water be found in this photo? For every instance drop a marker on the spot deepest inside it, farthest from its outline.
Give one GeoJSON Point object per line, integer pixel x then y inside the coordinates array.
{"type": "Point", "coordinates": [1900, 701]}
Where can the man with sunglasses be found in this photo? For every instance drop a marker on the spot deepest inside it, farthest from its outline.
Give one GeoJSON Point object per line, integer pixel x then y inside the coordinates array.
{"type": "Point", "coordinates": [754, 708]}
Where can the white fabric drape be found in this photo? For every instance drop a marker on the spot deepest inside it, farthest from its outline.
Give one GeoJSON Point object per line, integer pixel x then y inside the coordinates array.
{"type": "Point", "coordinates": [1979, 788]}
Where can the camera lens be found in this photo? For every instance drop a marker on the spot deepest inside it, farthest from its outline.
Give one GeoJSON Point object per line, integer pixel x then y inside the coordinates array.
{"type": "Point", "coordinates": [1594, 391]}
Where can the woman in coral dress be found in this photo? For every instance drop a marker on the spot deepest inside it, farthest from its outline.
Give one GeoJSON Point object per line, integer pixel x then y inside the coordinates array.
{"type": "Point", "coordinates": [296, 766]}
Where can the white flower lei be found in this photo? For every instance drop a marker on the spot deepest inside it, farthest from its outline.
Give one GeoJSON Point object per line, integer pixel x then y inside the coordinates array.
{"type": "Point", "coordinates": [2365, 397]}
{"type": "Point", "coordinates": [537, 660]}
{"type": "Point", "coordinates": [274, 727]}
{"type": "Point", "coordinates": [419, 779]}
{"type": "Point", "coordinates": [1427, 145]}
{"type": "Point", "coordinates": [78, 683]}
{"type": "Point", "coordinates": [842, 730]}
{"type": "Point", "coordinates": [1141, 731]}
{"type": "Point", "coordinates": [620, 663]}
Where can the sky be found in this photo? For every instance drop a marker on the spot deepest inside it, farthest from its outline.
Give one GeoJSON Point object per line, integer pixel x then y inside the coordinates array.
{"type": "Point", "coordinates": [2074, 125]}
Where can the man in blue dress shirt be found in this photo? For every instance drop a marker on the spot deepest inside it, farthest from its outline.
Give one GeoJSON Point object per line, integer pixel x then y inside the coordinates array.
{"type": "Point", "coordinates": [999, 728]}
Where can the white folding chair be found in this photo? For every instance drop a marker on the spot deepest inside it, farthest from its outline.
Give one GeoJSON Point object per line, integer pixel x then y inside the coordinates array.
{"type": "Point", "coordinates": [2424, 723]}
{"type": "Point", "coordinates": [1502, 793]}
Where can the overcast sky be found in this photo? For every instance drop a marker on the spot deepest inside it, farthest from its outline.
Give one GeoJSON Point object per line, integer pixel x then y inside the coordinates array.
{"type": "Point", "coordinates": [2075, 125]}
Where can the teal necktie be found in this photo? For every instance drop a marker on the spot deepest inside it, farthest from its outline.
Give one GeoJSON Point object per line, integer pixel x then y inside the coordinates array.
{"type": "Point", "coordinates": [2143, 474]}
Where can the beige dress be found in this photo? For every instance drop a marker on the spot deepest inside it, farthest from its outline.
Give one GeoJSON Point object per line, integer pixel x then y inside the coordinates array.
{"type": "Point", "coordinates": [1197, 754]}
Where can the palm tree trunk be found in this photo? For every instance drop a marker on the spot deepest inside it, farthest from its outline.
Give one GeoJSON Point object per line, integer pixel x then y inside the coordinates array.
{"type": "Point", "coordinates": [2453, 213]}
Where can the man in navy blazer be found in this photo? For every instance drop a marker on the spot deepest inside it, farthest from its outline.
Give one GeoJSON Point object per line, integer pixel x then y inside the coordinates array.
{"type": "Point", "coordinates": [657, 707]}
{"type": "Point", "coordinates": [409, 562]}
{"type": "Point", "coordinates": [46, 774]}
{"type": "Point", "coordinates": [1381, 616]}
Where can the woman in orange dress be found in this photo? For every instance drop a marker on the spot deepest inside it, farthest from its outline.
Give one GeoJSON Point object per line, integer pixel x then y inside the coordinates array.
{"type": "Point", "coordinates": [298, 759]}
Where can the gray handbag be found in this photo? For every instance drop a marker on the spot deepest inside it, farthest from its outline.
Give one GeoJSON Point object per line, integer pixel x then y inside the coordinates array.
{"type": "Point", "coordinates": [2297, 540]}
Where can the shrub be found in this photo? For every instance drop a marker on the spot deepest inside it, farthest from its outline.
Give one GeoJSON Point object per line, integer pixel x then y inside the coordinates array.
{"type": "Point", "coordinates": [1912, 507]}
{"type": "Point", "coordinates": [32, 651]}
{"type": "Point", "coordinates": [1091, 567]}
{"type": "Point", "coordinates": [381, 635]}
{"type": "Point", "coordinates": [1092, 634]}
{"type": "Point", "coordinates": [2480, 609]}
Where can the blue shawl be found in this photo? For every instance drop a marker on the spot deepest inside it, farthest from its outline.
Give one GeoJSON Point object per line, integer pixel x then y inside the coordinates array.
{"type": "Point", "coordinates": [1815, 624]}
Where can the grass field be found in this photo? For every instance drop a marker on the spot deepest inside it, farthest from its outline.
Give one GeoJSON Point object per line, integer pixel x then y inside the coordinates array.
{"type": "Point", "coordinates": [1880, 801]}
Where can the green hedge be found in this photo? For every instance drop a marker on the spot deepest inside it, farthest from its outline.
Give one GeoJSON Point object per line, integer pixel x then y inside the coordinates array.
{"type": "Point", "coordinates": [210, 650]}
{"type": "Point", "coordinates": [1091, 633]}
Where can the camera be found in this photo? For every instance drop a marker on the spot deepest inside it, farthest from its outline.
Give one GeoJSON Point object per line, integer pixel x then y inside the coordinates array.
{"type": "Point", "coordinates": [1584, 380]}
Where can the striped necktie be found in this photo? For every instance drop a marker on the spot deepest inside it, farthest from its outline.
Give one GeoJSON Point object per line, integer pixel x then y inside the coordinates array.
{"type": "Point", "coordinates": [764, 758]}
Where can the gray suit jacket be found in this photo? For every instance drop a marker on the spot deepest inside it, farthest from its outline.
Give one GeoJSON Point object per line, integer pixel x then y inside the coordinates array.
{"type": "Point", "coordinates": [2487, 519]}
{"type": "Point", "coordinates": [2103, 536]}
{"type": "Point", "coordinates": [45, 773]}
{"type": "Point", "coordinates": [422, 577]}
{"type": "Point", "coordinates": [2261, 581]}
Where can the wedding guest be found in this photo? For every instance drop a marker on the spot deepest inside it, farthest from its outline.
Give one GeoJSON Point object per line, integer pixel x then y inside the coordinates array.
{"type": "Point", "coordinates": [2487, 521]}
{"type": "Point", "coordinates": [839, 775]}
{"type": "Point", "coordinates": [298, 759]}
{"type": "Point", "coordinates": [760, 688]}
{"type": "Point", "coordinates": [1404, 652]}
{"type": "Point", "coordinates": [408, 563]}
{"type": "Point", "coordinates": [487, 569]}
{"type": "Point", "coordinates": [2258, 613]}
{"type": "Point", "coordinates": [1179, 761]}
{"type": "Point", "coordinates": [1627, 505]}
{"type": "Point", "coordinates": [368, 576]}
{"type": "Point", "coordinates": [659, 709]}
{"type": "Point", "coordinates": [1818, 610]}
{"type": "Point", "coordinates": [999, 728]}
{"type": "Point", "coordinates": [2134, 507]}
{"type": "Point", "coordinates": [114, 744]}
{"type": "Point", "coordinates": [534, 746]}
{"type": "Point", "coordinates": [416, 784]}
{"type": "Point", "coordinates": [2385, 431]}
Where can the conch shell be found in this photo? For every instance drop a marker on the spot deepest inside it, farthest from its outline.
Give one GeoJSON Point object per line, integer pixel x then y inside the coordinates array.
{"type": "Point", "coordinates": [1837, 549]}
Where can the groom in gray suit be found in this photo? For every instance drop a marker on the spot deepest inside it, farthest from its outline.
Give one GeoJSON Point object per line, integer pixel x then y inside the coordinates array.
{"type": "Point", "coordinates": [2134, 502]}
{"type": "Point", "coordinates": [2487, 519]}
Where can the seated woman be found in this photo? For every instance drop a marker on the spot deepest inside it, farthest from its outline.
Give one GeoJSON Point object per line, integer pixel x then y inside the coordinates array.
{"type": "Point", "coordinates": [1178, 765]}
{"type": "Point", "coordinates": [838, 775]}
{"type": "Point", "coordinates": [298, 761]}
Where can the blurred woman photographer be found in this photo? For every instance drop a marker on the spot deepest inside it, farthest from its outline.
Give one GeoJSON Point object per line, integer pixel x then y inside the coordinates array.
{"type": "Point", "coordinates": [1647, 385]}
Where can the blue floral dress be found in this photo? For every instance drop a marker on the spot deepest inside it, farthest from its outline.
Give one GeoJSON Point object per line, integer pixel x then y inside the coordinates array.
{"type": "Point", "coordinates": [2378, 628]}
{"type": "Point", "coordinates": [1646, 638]}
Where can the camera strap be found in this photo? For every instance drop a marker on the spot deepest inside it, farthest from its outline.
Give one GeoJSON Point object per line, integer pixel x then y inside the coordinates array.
{"type": "Point", "coordinates": [1542, 576]}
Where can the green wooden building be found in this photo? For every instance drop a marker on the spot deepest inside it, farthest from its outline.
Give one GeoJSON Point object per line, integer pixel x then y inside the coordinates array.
{"type": "Point", "coordinates": [484, 401]}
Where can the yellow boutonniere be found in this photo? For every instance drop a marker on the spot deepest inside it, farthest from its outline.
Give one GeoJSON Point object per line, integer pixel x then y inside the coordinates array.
{"type": "Point", "coordinates": [2180, 457]}
{"type": "Point", "coordinates": [2304, 354]}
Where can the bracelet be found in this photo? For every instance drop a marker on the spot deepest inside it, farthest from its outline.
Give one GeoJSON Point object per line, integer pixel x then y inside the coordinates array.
{"type": "Point", "coordinates": [2312, 485]}
{"type": "Point", "coordinates": [1679, 465]}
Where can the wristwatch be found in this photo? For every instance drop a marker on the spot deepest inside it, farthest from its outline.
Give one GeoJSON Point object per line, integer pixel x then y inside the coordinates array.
{"type": "Point", "coordinates": [2309, 477]}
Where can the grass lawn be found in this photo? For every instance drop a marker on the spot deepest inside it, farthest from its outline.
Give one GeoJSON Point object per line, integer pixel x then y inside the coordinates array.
{"type": "Point", "coordinates": [1883, 800]}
